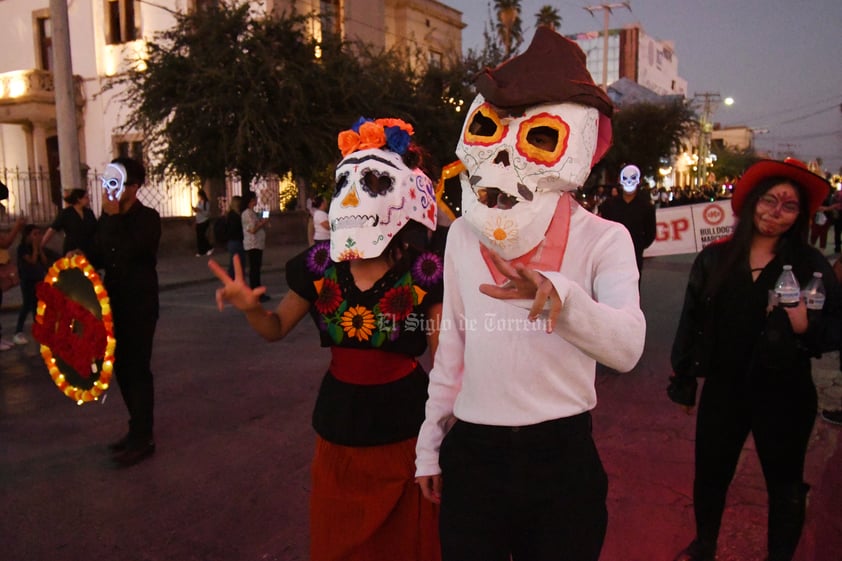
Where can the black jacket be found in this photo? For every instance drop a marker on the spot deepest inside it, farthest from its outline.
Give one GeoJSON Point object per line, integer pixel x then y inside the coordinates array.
{"type": "Point", "coordinates": [638, 216]}
{"type": "Point", "coordinates": [731, 334]}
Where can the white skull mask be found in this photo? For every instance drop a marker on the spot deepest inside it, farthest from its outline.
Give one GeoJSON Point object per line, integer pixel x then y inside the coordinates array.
{"type": "Point", "coordinates": [114, 181]}
{"type": "Point", "coordinates": [518, 166]}
{"type": "Point", "coordinates": [376, 195]}
{"type": "Point", "coordinates": [630, 178]}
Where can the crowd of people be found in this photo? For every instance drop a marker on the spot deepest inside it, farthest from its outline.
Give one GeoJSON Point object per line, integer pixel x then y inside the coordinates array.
{"type": "Point", "coordinates": [660, 197]}
{"type": "Point", "coordinates": [490, 454]}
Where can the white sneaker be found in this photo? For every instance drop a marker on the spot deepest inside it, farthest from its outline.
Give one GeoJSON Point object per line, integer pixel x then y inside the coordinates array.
{"type": "Point", "coordinates": [6, 345]}
{"type": "Point", "coordinates": [20, 339]}
{"type": "Point", "coordinates": [209, 252]}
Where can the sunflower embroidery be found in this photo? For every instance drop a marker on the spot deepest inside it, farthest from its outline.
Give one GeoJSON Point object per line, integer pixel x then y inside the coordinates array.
{"type": "Point", "coordinates": [358, 322]}
{"type": "Point", "coordinates": [397, 303]}
{"type": "Point", "coordinates": [329, 295]}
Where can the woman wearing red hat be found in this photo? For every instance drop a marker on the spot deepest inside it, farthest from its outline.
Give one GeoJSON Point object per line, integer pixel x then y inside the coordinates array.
{"type": "Point", "coordinates": [754, 356]}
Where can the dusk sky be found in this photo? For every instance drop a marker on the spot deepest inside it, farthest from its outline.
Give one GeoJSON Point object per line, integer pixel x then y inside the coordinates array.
{"type": "Point", "coordinates": [780, 60]}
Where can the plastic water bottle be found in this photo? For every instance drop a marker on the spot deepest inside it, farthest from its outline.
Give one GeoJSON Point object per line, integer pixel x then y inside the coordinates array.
{"type": "Point", "coordinates": [787, 288]}
{"type": "Point", "coordinates": [814, 293]}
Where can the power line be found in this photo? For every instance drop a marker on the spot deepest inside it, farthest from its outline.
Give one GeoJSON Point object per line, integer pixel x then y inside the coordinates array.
{"type": "Point", "coordinates": [802, 117]}
{"type": "Point", "coordinates": [837, 98]}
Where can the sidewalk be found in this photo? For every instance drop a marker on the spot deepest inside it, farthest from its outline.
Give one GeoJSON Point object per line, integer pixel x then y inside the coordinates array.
{"type": "Point", "coordinates": [176, 270]}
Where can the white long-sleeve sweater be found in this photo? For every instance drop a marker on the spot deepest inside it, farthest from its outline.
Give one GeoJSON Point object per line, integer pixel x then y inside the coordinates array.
{"type": "Point", "coordinates": [494, 367]}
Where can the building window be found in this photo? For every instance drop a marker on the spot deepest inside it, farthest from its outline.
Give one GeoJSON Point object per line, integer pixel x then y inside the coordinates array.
{"type": "Point", "coordinates": [44, 31]}
{"type": "Point", "coordinates": [330, 15]}
{"type": "Point", "coordinates": [121, 21]}
{"type": "Point", "coordinates": [128, 147]}
{"type": "Point", "coordinates": [436, 59]}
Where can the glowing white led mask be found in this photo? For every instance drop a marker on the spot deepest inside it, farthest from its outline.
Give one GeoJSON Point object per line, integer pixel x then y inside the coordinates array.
{"type": "Point", "coordinates": [376, 195]}
{"type": "Point", "coordinates": [114, 181]}
{"type": "Point", "coordinates": [518, 166]}
{"type": "Point", "coordinates": [630, 178]}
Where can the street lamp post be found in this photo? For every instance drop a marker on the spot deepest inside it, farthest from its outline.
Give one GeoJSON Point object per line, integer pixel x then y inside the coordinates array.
{"type": "Point", "coordinates": [705, 130]}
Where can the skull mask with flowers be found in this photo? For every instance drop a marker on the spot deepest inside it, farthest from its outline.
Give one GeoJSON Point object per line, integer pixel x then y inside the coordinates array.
{"type": "Point", "coordinates": [376, 193]}
{"type": "Point", "coordinates": [630, 178]}
{"type": "Point", "coordinates": [517, 167]}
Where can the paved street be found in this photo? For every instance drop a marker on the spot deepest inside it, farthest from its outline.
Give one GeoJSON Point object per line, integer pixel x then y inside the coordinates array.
{"type": "Point", "coordinates": [229, 480]}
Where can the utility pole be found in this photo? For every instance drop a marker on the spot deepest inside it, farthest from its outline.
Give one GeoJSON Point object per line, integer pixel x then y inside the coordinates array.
{"type": "Point", "coordinates": [608, 10]}
{"type": "Point", "coordinates": [705, 130]}
{"type": "Point", "coordinates": [68, 135]}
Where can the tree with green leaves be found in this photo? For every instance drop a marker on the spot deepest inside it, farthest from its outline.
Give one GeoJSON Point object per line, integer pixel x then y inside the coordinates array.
{"type": "Point", "coordinates": [225, 91]}
{"type": "Point", "coordinates": [731, 163]}
{"type": "Point", "coordinates": [509, 28]}
{"type": "Point", "coordinates": [548, 16]}
{"type": "Point", "coordinates": [647, 135]}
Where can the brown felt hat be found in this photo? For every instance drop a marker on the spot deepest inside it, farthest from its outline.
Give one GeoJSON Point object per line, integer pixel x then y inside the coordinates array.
{"type": "Point", "coordinates": [815, 186]}
{"type": "Point", "coordinates": [553, 69]}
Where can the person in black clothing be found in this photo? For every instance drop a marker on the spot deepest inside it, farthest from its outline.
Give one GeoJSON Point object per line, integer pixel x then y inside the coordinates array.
{"type": "Point", "coordinates": [754, 355]}
{"type": "Point", "coordinates": [78, 223]}
{"type": "Point", "coordinates": [634, 210]}
{"type": "Point", "coordinates": [234, 233]}
{"type": "Point", "coordinates": [33, 262]}
{"type": "Point", "coordinates": [128, 235]}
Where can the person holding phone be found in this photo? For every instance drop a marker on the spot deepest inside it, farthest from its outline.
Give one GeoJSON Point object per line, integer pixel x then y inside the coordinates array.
{"type": "Point", "coordinates": [254, 239]}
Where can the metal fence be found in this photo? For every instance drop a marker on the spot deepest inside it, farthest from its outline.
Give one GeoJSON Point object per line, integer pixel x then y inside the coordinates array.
{"type": "Point", "coordinates": [33, 195]}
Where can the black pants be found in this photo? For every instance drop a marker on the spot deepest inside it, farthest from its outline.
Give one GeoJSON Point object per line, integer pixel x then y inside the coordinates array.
{"type": "Point", "coordinates": [29, 302]}
{"type": "Point", "coordinates": [535, 493]}
{"type": "Point", "coordinates": [779, 411]}
{"type": "Point", "coordinates": [255, 263]}
{"type": "Point", "coordinates": [135, 332]}
{"type": "Point", "coordinates": [202, 243]}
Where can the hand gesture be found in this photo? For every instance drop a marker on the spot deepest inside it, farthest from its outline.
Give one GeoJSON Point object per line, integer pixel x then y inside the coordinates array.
{"type": "Point", "coordinates": [525, 283]}
{"type": "Point", "coordinates": [235, 291]}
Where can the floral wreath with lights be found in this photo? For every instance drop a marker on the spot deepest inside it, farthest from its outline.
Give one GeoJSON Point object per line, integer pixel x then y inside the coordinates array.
{"type": "Point", "coordinates": [72, 336]}
{"type": "Point", "coordinates": [390, 134]}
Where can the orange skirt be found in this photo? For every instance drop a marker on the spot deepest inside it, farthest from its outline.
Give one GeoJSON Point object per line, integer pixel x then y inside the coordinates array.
{"type": "Point", "coordinates": [365, 505]}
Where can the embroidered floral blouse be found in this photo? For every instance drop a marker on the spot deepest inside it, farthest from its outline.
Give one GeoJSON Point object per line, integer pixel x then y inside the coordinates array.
{"type": "Point", "coordinates": [391, 316]}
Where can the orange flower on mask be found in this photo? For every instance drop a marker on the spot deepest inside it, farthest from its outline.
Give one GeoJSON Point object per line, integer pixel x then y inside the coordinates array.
{"type": "Point", "coordinates": [349, 142]}
{"type": "Point", "coordinates": [401, 124]}
{"type": "Point", "coordinates": [372, 135]}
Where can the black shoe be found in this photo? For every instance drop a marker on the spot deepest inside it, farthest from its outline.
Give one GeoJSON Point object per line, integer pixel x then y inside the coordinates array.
{"type": "Point", "coordinates": [119, 445]}
{"type": "Point", "coordinates": [697, 551]}
{"type": "Point", "coordinates": [832, 416]}
{"type": "Point", "coordinates": [135, 452]}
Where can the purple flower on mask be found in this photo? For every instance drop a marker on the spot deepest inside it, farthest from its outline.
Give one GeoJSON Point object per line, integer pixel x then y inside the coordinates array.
{"type": "Point", "coordinates": [318, 258]}
{"type": "Point", "coordinates": [428, 269]}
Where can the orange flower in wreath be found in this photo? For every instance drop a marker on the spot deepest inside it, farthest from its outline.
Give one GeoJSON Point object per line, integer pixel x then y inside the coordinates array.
{"type": "Point", "coordinates": [400, 123]}
{"type": "Point", "coordinates": [372, 135]}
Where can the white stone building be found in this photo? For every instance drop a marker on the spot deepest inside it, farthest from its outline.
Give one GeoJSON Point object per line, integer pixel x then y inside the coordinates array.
{"type": "Point", "coordinates": [102, 35]}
